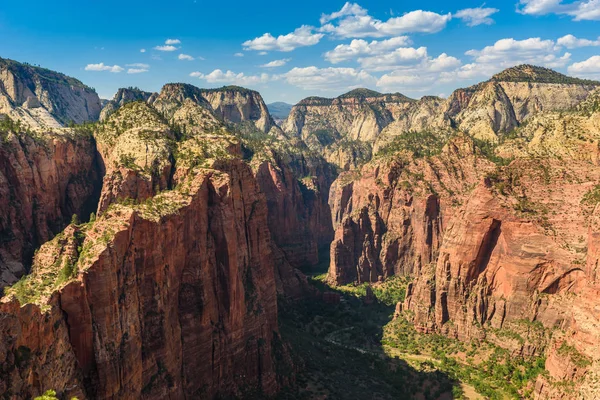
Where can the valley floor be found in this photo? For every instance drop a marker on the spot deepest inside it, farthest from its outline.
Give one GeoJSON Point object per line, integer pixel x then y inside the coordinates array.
{"type": "Point", "coordinates": [355, 350]}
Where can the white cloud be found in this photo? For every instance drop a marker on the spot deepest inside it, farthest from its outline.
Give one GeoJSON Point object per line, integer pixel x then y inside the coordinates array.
{"type": "Point", "coordinates": [276, 63]}
{"type": "Point", "coordinates": [142, 50]}
{"type": "Point", "coordinates": [137, 70]}
{"type": "Point", "coordinates": [509, 52]}
{"type": "Point", "coordinates": [578, 10]}
{"type": "Point", "coordinates": [506, 53]}
{"type": "Point", "coordinates": [420, 76]}
{"type": "Point", "coordinates": [328, 79]}
{"type": "Point", "coordinates": [218, 76]}
{"type": "Point", "coordinates": [587, 68]}
{"type": "Point", "coordinates": [402, 56]}
{"type": "Point", "coordinates": [172, 41]}
{"type": "Point", "coordinates": [165, 48]}
{"type": "Point", "coordinates": [238, 55]}
{"type": "Point", "coordinates": [303, 36]}
{"type": "Point", "coordinates": [349, 9]}
{"type": "Point", "coordinates": [138, 65]}
{"type": "Point", "coordinates": [361, 48]}
{"type": "Point", "coordinates": [571, 42]}
{"type": "Point", "coordinates": [185, 57]}
{"type": "Point", "coordinates": [102, 67]}
{"type": "Point", "coordinates": [353, 21]}
{"type": "Point", "coordinates": [476, 16]}
{"type": "Point", "coordinates": [443, 62]}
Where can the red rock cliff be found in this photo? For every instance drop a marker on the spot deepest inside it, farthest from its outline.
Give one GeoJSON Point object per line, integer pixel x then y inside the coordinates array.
{"type": "Point", "coordinates": [173, 299]}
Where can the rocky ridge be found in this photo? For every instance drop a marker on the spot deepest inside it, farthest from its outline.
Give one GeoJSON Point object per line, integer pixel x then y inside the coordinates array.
{"type": "Point", "coordinates": [44, 99]}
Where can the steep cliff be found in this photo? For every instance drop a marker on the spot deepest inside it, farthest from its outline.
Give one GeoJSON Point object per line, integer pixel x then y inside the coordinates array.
{"type": "Point", "coordinates": [352, 128]}
{"type": "Point", "coordinates": [122, 97]}
{"type": "Point", "coordinates": [44, 180]}
{"type": "Point", "coordinates": [390, 216]}
{"type": "Point", "coordinates": [238, 105]}
{"type": "Point", "coordinates": [171, 298]}
{"type": "Point", "coordinates": [41, 98]}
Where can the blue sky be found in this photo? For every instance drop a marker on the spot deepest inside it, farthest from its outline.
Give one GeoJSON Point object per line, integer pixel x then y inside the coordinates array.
{"type": "Point", "coordinates": [291, 50]}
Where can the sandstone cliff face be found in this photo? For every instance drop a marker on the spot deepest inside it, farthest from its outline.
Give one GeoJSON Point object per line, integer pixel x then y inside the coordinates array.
{"type": "Point", "coordinates": [134, 144]}
{"type": "Point", "coordinates": [122, 97]}
{"type": "Point", "coordinates": [389, 219]}
{"type": "Point", "coordinates": [44, 99]}
{"type": "Point", "coordinates": [493, 108]}
{"type": "Point", "coordinates": [350, 129]}
{"type": "Point", "coordinates": [43, 182]}
{"type": "Point", "coordinates": [173, 299]}
{"type": "Point", "coordinates": [238, 105]}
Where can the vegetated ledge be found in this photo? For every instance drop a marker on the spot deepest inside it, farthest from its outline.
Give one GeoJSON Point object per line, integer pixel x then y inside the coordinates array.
{"type": "Point", "coordinates": [74, 251]}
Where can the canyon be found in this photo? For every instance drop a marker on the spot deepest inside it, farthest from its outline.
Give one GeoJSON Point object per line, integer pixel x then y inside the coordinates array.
{"type": "Point", "coordinates": [150, 248]}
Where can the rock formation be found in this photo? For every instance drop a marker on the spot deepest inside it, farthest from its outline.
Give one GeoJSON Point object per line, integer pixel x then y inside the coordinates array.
{"type": "Point", "coordinates": [44, 99]}
{"type": "Point", "coordinates": [43, 182]}
{"type": "Point", "coordinates": [122, 97]}
{"type": "Point", "coordinates": [352, 127]}
{"type": "Point", "coordinates": [172, 298]}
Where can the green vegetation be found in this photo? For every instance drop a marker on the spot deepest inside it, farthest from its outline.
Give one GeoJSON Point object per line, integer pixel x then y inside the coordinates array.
{"type": "Point", "coordinates": [339, 349]}
{"type": "Point", "coordinates": [532, 73]}
{"type": "Point", "coordinates": [43, 73]}
{"type": "Point", "coordinates": [488, 150]}
{"type": "Point", "coordinates": [576, 357]}
{"type": "Point", "coordinates": [334, 343]}
{"type": "Point", "coordinates": [360, 93]}
{"type": "Point", "coordinates": [420, 144]}
{"type": "Point", "coordinates": [592, 197]}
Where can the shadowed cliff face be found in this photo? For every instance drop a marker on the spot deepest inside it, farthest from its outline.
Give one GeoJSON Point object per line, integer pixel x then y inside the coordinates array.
{"type": "Point", "coordinates": [44, 181]}
{"type": "Point", "coordinates": [175, 298]}
{"type": "Point", "coordinates": [389, 218]}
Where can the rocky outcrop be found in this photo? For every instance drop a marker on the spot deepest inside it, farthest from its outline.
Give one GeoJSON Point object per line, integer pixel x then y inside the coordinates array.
{"type": "Point", "coordinates": [390, 217]}
{"type": "Point", "coordinates": [350, 129]}
{"type": "Point", "coordinates": [238, 105]}
{"type": "Point", "coordinates": [174, 298]}
{"type": "Point", "coordinates": [122, 97]}
{"type": "Point", "coordinates": [43, 182]}
{"type": "Point", "coordinates": [135, 148]}
{"type": "Point", "coordinates": [41, 98]}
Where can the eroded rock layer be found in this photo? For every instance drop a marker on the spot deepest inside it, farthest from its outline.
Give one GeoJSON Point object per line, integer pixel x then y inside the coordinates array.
{"type": "Point", "coordinates": [175, 298]}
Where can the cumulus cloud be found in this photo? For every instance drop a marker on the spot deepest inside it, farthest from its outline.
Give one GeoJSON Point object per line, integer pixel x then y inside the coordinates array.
{"type": "Point", "coordinates": [419, 76]}
{"type": "Point", "coordinates": [353, 21]}
{"type": "Point", "coordinates": [508, 52]}
{"type": "Point", "coordinates": [276, 63]}
{"type": "Point", "coordinates": [101, 67]}
{"type": "Point", "coordinates": [172, 41]}
{"type": "Point", "coordinates": [142, 50]}
{"type": "Point", "coordinates": [185, 57]}
{"type": "Point", "coordinates": [476, 16]}
{"type": "Point", "coordinates": [238, 55]}
{"type": "Point", "coordinates": [138, 65]}
{"type": "Point", "coordinates": [165, 48]}
{"type": "Point", "coordinates": [136, 70]}
{"type": "Point", "coordinates": [577, 10]}
{"type": "Point", "coordinates": [571, 42]}
{"type": "Point", "coordinates": [218, 76]}
{"type": "Point", "coordinates": [301, 37]}
{"type": "Point", "coordinates": [328, 79]}
{"type": "Point", "coordinates": [361, 48]}
{"type": "Point", "coordinates": [587, 68]}
{"type": "Point", "coordinates": [401, 56]}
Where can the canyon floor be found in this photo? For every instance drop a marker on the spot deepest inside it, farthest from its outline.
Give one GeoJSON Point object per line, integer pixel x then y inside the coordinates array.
{"type": "Point", "coordinates": [357, 349]}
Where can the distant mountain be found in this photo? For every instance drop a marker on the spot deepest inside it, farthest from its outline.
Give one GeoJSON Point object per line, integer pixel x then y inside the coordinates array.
{"type": "Point", "coordinates": [279, 110]}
